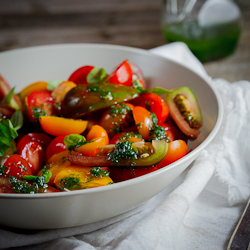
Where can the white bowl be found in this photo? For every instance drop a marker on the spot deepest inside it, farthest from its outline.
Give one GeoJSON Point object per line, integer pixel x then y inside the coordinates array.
{"type": "Point", "coordinates": [58, 210]}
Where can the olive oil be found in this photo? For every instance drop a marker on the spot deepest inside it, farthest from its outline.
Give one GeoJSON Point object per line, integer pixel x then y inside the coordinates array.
{"type": "Point", "coordinates": [206, 42]}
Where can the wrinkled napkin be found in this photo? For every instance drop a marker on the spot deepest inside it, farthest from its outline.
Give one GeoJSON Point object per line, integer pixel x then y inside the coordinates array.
{"type": "Point", "coordinates": [199, 210]}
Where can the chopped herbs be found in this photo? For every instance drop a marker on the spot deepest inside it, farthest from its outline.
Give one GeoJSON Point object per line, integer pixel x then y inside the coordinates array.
{"type": "Point", "coordinates": [106, 95]}
{"type": "Point", "coordinates": [99, 172]}
{"type": "Point", "coordinates": [157, 132]}
{"type": "Point", "coordinates": [123, 150]}
{"type": "Point", "coordinates": [2, 170]}
{"type": "Point", "coordinates": [119, 109]}
{"type": "Point", "coordinates": [72, 183]}
{"type": "Point", "coordinates": [37, 111]}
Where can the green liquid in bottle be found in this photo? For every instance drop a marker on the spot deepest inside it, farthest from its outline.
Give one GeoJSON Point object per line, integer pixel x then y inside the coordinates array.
{"type": "Point", "coordinates": [208, 42]}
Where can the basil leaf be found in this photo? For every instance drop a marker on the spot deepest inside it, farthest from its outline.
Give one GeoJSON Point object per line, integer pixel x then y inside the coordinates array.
{"type": "Point", "coordinates": [53, 84]}
{"type": "Point", "coordinates": [96, 75]}
{"type": "Point", "coordinates": [74, 140]}
{"type": "Point", "coordinates": [7, 135]}
{"type": "Point", "coordinates": [44, 178]}
{"type": "Point", "coordinates": [7, 99]}
{"type": "Point", "coordinates": [17, 119]}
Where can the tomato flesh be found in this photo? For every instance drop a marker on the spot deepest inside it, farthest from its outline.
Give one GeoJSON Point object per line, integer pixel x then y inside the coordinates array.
{"type": "Point", "coordinates": [122, 75]}
{"type": "Point", "coordinates": [16, 166]}
{"type": "Point", "coordinates": [79, 76]}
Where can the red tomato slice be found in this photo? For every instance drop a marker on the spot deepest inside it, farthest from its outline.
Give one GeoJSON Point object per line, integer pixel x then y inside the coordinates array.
{"type": "Point", "coordinates": [123, 174]}
{"type": "Point", "coordinates": [56, 146]}
{"type": "Point", "coordinates": [79, 76]}
{"type": "Point", "coordinates": [122, 75]}
{"type": "Point", "coordinates": [176, 150]}
{"type": "Point", "coordinates": [143, 121]}
{"type": "Point", "coordinates": [40, 103]}
{"type": "Point", "coordinates": [43, 139]}
{"type": "Point", "coordinates": [155, 104]}
{"type": "Point", "coordinates": [33, 153]}
{"type": "Point", "coordinates": [16, 166]}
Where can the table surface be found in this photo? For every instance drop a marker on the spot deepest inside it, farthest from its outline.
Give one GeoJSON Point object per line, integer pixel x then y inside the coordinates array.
{"type": "Point", "coordinates": [132, 23]}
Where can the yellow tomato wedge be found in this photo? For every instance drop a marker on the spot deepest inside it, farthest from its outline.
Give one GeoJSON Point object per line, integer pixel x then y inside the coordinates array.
{"type": "Point", "coordinates": [59, 92]}
{"type": "Point", "coordinates": [91, 148]}
{"type": "Point", "coordinates": [76, 177]}
{"type": "Point", "coordinates": [97, 131]}
{"type": "Point", "coordinates": [56, 126]}
{"type": "Point", "coordinates": [32, 87]}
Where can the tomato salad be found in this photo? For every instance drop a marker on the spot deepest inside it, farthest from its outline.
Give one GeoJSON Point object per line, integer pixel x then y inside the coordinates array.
{"type": "Point", "coordinates": [91, 130]}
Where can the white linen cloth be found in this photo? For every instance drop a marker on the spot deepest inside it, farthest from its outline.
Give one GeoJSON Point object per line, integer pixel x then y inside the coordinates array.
{"type": "Point", "coordinates": [199, 210]}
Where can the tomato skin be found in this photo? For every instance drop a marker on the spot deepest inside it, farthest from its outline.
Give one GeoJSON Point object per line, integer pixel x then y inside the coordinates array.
{"type": "Point", "coordinates": [155, 104]}
{"type": "Point", "coordinates": [123, 174]}
{"type": "Point", "coordinates": [124, 136]}
{"type": "Point", "coordinates": [176, 150]}
{"type": "Point", "coordinates": [122, 75]}
{"type": "Point", "coordinates": [114, 123]}
{"type": "Point", "coordinates": [40, 103]}
{"type": "Point", "coordinates": [143, 119]}
{"type": "Point", "coordinates": [56, 146]}
{"type": "Point", "coordinates": [97, 131]}
{"type": "Point", "coordinates": [173, 133]}
{"type": "Point", "coordinates": [79, 76]}
{"type": "Point", "coordinates": [16, 166]}
{"type": "Point", "coordinates": [33, 153]}
{"type": "Point", "coordinates": [43, 139]}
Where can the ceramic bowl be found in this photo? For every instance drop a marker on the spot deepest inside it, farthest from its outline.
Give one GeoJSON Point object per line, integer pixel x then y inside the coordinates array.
{"type": "Point", "coordinates": [66, 209]}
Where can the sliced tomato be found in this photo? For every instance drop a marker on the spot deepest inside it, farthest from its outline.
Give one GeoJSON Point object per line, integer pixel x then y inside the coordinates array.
{"type": "Point", "coordinates": [91, 148]}
{"type": "Point", "coordinates": [155, 104]}
{"type": "Point", "coordinates": [40, 103]}
{"type": "Point", "coordinates": [185, 111]}
{"type": "Point", "coordinates": [125, 136]}
{"type": "Point", "coordinates": [97, 131]}
{"type": "Point", "coordinates": [117, 118]}
{"type": "Point", "coordinates": [176, 150]}
{"type": "Point", "coordinates": [79, 76]}
{"type": "Point", "coordinates": [16, 166]}
{"type": "Point", "coordinates": [138, 73]}
{"type": "Point", "coordinates": [43, 139]}
{"type": "Point", "coordinates": [143, 121]}
{"type": "Point", "coordinates": [173, 133]}
{"type": "Point", "coordinates": [123, 174]}
{"type": "Point", "coordinates": [122, 75]}
{"type": "Point", "coordinates": [33, 153]}
{"type": "Point", "coordinates": [56, 146]}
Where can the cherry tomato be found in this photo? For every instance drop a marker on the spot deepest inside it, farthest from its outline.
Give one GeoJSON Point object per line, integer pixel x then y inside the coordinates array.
{"type": "Point", "coordinates": [16, 166]}
{"type": "Point", "coordinates": [40, 103]}
{"type": "Point", "coordinates": [123, 174]}
{"type": "Point", "coordinates": [125, 136]}
{"type": "Point", "coordinates": [155, 104]}
{"type": "Point", "coordinates": [173, 133]}
{"type": "Point", "coordinates": [117, 118]}
{"type": "Point", "coordinates": [143, 121]}
{"type": "Point", "coordinates": [33, 153]}
{"type": "Point", "coordinates": [56, 146]}
{"type": "Point", "coordinates": [43, 139]}
{"type": "Point", "coordinates": [97, 131]}
{"type": "Point", "coordinates": [176, 150]}
{"type": "Point", "coordinates": [122, 75]}
{"type": "Point", "coordinates": [79, 76]}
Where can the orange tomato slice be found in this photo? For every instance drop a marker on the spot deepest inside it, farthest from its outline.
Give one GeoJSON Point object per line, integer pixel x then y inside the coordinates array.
{"type": "Point", "coordinates": [143, 121]}
{"type": "Point", "coordinates": [97, 131]}
{"type": "Point", "coordinates": [59, 92]}
{"type": "Point", "coordinates": [91, 148]}
{"type": "Point", "coordinates": [76, 177]}
{"type": "Point", "coordinates": [56, 126]}
{"type": "Point", "coordinates": [33, 87]}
